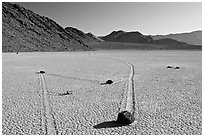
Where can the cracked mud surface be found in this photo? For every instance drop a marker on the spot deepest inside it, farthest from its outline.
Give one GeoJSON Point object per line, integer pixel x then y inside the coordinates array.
{"type": "Point", "coordinates": [167, 101]}
{"type": "Point", "coordinates": [21, 105]}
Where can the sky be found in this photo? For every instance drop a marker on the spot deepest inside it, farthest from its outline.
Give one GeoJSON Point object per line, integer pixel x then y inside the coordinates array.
{"type": "Point", "coordinates": [101, 18]}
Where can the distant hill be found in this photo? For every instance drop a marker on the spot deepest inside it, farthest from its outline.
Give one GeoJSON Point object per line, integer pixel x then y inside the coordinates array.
{"type": "Point", "coordinates": [174, 44]}
{"type": "Point", "coordinates": [131, 37]}
{"type": "Point", "coordinates": [137, 38]}
{"type": "Point", "coordinates": [194, 38]}
{"type": "Point", "coordinates": [24, 30]}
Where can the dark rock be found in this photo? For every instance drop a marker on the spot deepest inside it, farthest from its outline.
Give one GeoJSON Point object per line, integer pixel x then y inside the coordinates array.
{"type": "Point", "coordinates": [66, 93]}
{"type": "Point", "coordinates": [42, 71]}
{"type": "Point", "coordinates": [125, 117]}
{"type": "Point", "coordinates": [169, 67]}
{"type": "Point", "coordinates": [69, 92]}
{"type": "Point", "coordinates": [109, 82]}
{"type": "Point", "coordinates": [177, 67]}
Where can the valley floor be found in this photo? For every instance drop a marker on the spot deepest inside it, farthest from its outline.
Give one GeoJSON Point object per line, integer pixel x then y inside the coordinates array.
{"type": "Point", "coordinates": [71, 99]}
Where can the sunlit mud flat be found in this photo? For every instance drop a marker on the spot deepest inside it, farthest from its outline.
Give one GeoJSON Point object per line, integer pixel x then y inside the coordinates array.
{"type": "Point", "coordinates": [72, 96]}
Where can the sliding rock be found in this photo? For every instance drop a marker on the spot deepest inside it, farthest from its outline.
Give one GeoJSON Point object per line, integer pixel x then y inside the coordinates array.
{"type": "Point", "coordinates": [125, 117]}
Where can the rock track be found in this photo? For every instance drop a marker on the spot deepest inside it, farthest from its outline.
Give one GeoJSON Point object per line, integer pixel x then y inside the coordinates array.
{"type": "Point", "coordinates": [169, 101]}
{"type": "Point", "coordinates": [130, 106]}
{"type": "Point", "coordinates": [74, 78]}
{"type": "Point", "coordinates": [129, 100]}
{"type": "Point", "coordinates": [48, 120]}
{"type": "Point", "coordinates": [83, 79]}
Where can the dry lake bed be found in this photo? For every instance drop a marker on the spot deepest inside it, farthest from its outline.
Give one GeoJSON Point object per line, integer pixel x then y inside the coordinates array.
{"type": "Point", "coordinates": [71, 97]}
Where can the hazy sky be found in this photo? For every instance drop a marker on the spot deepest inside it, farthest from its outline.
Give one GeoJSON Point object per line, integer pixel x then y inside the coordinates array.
{"type": "Point", "coordinates": [103, 18]}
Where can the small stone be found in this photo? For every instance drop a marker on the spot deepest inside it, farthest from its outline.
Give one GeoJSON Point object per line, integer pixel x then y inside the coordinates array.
{"type": "Point", "coordinates": [69, 92]}
{"type": "Point", "coordinates": [42, 71]}
{"type": "Point", "coordinates": [66, 93]}
{"type": "Point", "coordinates": [169, 67]}
{"type": "Point", "coordinates": [125, 117]}
{"type": "Point", "coordinates": [109, 82]}
{"type": "Point", "coordinates": [177, 67]}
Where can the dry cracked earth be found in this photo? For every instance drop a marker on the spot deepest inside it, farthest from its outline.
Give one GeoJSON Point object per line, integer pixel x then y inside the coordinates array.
{"type": "Point", "coordinates": [68, 99]}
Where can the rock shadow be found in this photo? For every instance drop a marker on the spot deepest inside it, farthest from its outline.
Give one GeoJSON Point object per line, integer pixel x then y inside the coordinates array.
{"type": "Point", "coordinates": [109, 124]}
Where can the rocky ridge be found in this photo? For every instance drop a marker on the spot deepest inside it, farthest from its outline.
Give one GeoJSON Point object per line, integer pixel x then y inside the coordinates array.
{"type": "Point", "coordinates": [24, 30]}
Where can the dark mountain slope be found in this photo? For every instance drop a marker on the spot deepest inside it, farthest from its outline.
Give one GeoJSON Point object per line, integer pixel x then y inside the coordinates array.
{"type": "Point", "coordinates": [194, 38]}
{"type": "Point", "coordinates": [94, 37]}
{"type": "Point", "coordinates": [113, 35]}
{"type": "Point", "coordinates": [132, 37]}
{"type": "Point", "coordinates": [23, 30]}
{"type": "Point", "coordinates": [81, 37]}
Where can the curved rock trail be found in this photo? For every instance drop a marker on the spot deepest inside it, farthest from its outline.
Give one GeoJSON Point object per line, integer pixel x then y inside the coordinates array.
{"type": "Point", "coordinates": [48, 120]}
{"type": "Point", "coordinates": [130, 106]}
{"type": "Point", "coordinates": [74, 78]}
{"type": "Point", "coordinates": [129, 97]}
{"type": "Point", "coordinates": [129, 100]}
{"type": "Point", "coordinates": [83, 79]}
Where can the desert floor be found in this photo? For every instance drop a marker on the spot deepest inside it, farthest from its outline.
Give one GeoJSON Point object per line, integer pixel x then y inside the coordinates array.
{"type": "Point", "coordinates": [70, 99]}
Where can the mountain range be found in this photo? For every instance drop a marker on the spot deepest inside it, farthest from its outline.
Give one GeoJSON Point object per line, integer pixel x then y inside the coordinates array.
{"type": "Point", "coordinates": [26, 31]}
{"type": "Point", "coordinates": [137, 37]}
{"type": "Point", "coordinates": [194, 38]}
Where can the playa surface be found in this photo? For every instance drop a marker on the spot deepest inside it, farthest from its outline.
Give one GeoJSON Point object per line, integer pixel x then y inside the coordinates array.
{"type": "Point", "coordinates": [70, 98]}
